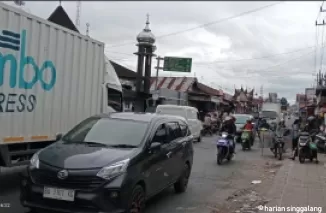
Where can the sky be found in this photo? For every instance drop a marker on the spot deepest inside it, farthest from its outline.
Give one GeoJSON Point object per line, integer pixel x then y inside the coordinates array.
{"type": "Point", "coordinates": [278, 47]}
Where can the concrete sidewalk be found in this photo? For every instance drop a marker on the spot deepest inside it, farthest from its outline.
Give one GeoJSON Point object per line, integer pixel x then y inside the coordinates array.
{"type": "Point", "coordinates": [299, 185]}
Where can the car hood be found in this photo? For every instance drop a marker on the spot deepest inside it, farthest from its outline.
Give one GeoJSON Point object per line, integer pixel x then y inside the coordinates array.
{"type": "Point", "coordinates": [82, 156]}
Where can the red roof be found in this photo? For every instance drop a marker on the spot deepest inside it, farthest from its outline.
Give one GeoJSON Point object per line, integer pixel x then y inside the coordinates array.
{"type": "Point", "coordinates": [181, 84]}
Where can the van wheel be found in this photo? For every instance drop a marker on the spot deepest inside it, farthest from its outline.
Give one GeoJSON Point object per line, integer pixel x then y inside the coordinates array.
{"type": "Point", "coordinates": [181, 185]}
{"type": "Point", "coordinates": [33, 210]}
{"type": "Point", "coordinates": [137, 200]}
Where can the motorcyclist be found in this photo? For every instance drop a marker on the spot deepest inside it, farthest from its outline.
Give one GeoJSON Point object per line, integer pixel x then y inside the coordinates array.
{"type": "Point", "coordinates": [279, 131]}
{"type": "Point", "coordinates": [295, 137]}
{"type": "Point", "coordinates": [263, 125]}
{"type": "Point", "coordinates": [258, 123]}
{"type": "Point", "coordinates": [207, 123]}
{"type": "Point", "coordinates": [249, 126]}
{"type": "Point", "coordinates": [229, 127]}
{"type": "Point", "coordinates": [281, 125]}
{"type": "Point", "coordinates": [312, 126]}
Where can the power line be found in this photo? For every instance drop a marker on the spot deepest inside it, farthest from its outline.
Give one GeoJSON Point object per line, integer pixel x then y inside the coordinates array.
{"type": "Point", "coordinates": [245, 59]}
{"type": "Point", "coordinates": [264, 57]}
{"type": "Point", "coordinates": [204, 25]}
{"type": "Point", "coordinates": [296, 58]}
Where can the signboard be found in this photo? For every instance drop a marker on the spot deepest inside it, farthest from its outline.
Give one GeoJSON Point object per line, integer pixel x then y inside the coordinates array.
{"type": "Point", "coordinates": [177, 64]}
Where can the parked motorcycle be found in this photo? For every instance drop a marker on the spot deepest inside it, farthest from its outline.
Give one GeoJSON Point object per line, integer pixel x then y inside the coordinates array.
{"type": "Point", "coordinates": [306, 149]}
{"type": "Point", "coordinates": [225, 148]}
{"type": "Point", "coordinates": [246, 139]}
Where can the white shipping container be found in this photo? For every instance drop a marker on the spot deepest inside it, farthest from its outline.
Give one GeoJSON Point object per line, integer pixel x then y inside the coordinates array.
{"type": "Point", "coordinates": [50, 77]}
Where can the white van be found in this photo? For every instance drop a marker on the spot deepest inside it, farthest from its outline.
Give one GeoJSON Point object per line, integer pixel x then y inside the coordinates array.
{"type": "Point", "coordinates": [191, 114]}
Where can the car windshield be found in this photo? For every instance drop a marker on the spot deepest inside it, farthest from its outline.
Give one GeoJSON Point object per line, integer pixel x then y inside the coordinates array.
{"type": "Point", "coordinates": [241, 119]}
{"type": "Point", "coordinates": [269, 114]}
{"type": "Point", "coordinates": [110, 132]}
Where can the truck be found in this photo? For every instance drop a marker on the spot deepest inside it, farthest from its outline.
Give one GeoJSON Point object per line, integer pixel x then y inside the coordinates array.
{"type": "Point", "coordinates": [271, 112]}
{"type": "Point", "coordinates": [51, 78]}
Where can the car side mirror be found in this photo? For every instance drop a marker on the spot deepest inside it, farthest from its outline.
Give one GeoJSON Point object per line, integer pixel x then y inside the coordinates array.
{"type": "Point", "coordinates": [155, 146]}
{"type": "Point", "coordinates": [58, 137]}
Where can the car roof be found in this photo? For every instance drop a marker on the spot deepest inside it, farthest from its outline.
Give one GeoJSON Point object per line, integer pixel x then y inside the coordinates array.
{"type": "Point", "coordinates": [140, 116]}
{"type": "Point", "coordinates": [248, 115]}
{"type": "Point", "coordinates": [176, 107]}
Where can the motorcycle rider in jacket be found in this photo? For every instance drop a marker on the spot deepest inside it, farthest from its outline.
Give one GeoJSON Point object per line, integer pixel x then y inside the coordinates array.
{"type": "Point", "coordinates": [249, 126]}
{"type": "Point", "coordinates": [230, 127]}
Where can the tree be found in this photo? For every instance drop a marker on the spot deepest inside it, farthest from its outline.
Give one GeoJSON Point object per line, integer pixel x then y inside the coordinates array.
{"type": "Point", "coordinates": [284, 101]}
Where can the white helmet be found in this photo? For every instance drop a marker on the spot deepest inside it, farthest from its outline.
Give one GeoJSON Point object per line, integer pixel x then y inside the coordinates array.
{"type": "Point", "coordinates": [227, 118]}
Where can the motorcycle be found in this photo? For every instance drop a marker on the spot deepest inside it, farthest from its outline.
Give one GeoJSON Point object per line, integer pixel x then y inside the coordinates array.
{"type": "Point", "coordinates": [320, 141]}
{"type": "Point", "coordinates": [237, 137]}
{"type": "Point", "coordinates": [246, 139]}
{"type": "Point", "coordinates": [306, 149]}
{"type": "Point", "coordinates": [278, 146]}
{"type": "Point", "coordinates": [224, 148]}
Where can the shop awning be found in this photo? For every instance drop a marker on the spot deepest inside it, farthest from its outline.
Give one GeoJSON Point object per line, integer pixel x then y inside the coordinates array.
{"type": "Point", "coordinates": [216, 99]}
{"type": "Point", "coordinates": [181, 84]}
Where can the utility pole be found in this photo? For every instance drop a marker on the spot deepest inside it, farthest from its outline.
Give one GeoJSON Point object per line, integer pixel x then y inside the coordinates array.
{"type": "Point", "coordinates": [78, 11]}
{"type": "Point", "coordinates": [261, 95]}
{"type": "Point", "coordinates": [87, 29]}
{"type": "Point", "coordinates": [322, 24]}
{"type": "Point", "coordinates": [158, 68]}
{"type": "Point", "coordinates": [321, 9]}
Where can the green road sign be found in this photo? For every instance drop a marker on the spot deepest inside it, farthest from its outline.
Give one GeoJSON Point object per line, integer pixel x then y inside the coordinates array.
{"type": "Point", "coordinates": [175, 64]}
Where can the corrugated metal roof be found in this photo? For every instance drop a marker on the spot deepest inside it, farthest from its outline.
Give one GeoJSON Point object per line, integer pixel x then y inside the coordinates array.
{"type": "Point", "coordinates": [181, 84]}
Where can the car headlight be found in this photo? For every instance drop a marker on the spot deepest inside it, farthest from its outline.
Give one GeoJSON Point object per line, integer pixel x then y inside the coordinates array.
{"type": "Point", "coordinates": [113, 170]}
{"type": "Point", "coordinates": [35, 162]}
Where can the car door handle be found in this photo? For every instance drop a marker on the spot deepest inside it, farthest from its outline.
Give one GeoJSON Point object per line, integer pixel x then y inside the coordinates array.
{"type": "Point", "coordinates": [169, 154]}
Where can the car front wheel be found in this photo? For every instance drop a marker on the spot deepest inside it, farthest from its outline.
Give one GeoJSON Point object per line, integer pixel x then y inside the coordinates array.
{"type": "Point", "coordinates": [181, 185]}
{"type": "Point", "coordinates": [137, 200]}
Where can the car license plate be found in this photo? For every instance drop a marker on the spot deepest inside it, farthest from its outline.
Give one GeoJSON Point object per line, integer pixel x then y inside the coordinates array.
{"type": "Point", "coordinates": [59, 194]}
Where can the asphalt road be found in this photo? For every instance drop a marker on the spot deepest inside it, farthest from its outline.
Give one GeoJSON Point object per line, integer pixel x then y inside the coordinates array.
{"type": "Point", "coordinates": [208, 184]}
